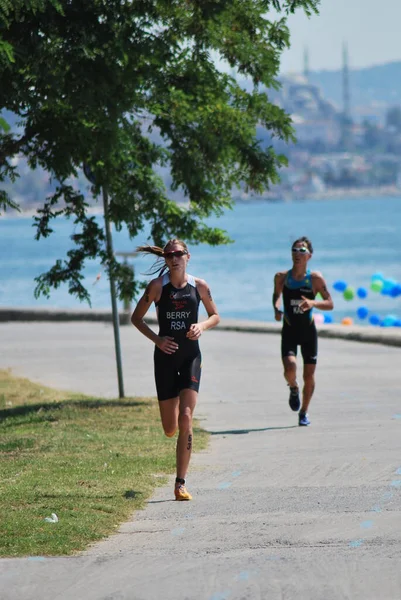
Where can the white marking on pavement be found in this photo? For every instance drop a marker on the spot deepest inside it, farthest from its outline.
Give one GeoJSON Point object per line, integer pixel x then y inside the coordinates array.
{"type": "Point", "coordinates": [224, 485]}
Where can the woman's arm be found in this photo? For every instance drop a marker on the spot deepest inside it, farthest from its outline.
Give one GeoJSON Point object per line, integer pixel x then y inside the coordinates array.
{"type": "Point", "coordinates": [152, 294]}
{"type": "Point", "coordinates": [278, 290]}
{"type": "Point", "coordinates": [195, 331]}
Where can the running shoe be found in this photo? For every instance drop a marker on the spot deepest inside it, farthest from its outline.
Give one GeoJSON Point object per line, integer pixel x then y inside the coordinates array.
{"type": "Point", "coordinates": [294, 400]}
{"type": "Point", "coordinates": [303, 420]}
{"type": "Point", "coordinates": [181, 493]}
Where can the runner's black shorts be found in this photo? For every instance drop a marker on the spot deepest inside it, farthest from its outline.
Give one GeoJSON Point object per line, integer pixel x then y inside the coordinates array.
{"type": "Point", "coordinates": [291, 338]}
{"type": "Point", "coordinates": [176, 372]}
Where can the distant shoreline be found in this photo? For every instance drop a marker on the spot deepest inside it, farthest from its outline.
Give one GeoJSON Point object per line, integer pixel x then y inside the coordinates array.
{"type": "Point", "coordinates": [332, 194]}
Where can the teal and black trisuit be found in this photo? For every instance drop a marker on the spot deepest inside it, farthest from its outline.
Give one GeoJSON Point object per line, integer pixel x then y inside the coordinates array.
{"type": "Point", "coordinates": [299, 327]}
{"type": "Point", "coordinates": [177, 310]}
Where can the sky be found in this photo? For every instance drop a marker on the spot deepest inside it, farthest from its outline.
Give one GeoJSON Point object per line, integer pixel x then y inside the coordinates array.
{"type": "Point", "coordinates": [371, 28]}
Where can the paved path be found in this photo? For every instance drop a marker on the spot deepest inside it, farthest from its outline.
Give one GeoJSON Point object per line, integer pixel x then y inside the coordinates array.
{"type": "Point", "coordinates": [279, 512]}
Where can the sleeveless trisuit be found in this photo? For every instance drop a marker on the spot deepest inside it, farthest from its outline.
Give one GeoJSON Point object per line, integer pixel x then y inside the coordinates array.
{"type": "Point", "coordinates": [177, 310]}
{"type": "Point", "coordinates": [299, 327]}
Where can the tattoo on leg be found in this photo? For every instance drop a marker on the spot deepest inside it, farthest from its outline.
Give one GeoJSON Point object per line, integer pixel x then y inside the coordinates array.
{"type": "Point", "coordinates": [189, 446]}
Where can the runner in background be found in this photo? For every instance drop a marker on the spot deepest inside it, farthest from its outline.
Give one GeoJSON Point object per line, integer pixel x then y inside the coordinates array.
{"type": "Point", "coordinates": [299, 287]}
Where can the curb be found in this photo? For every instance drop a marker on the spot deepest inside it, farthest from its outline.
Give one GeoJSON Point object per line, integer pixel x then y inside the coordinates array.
{"type": "Point", "coordinates": [355, 333]}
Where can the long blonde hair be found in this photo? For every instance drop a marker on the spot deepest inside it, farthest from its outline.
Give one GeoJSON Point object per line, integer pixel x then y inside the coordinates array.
{"type": "Point", "coordinates": [160, 266]}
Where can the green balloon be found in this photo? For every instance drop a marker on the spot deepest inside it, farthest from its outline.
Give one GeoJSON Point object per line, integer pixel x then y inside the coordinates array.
{"type": "Point", "coordinates": [349, 293]}
{"type": "Point", "coordinates": [376, 285]}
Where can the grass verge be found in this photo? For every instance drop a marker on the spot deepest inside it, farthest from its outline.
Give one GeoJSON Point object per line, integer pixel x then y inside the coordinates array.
{"type": "Point", "coordinates": [90, 461]}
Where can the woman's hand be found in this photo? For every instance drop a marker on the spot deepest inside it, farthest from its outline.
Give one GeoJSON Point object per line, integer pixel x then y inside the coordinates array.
{"type": "Point", "coordinates": [195, 331]}
{"type": "Point", "coordinates": [278, 314]}
{"type": "Point", "coordinates": [167, 344]}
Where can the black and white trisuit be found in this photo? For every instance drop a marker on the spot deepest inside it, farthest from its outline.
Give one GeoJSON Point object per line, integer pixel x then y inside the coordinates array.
{"type": "Point", "coordinates": [177, 310]}
{"type": "Point", "coordinates": [299, 327]}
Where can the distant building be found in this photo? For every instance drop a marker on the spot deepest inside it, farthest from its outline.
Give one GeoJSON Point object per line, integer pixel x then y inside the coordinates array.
{"type": "Point", "coordinates": [315, 119]}
{"type": "Point", "coordinates": [308, 131]}
{"type": "Point", "coordinates": [298, 96]}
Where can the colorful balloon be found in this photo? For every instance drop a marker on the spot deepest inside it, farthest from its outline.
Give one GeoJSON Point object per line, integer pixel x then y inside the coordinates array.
{"type": "Point", "coordinates": [396, 291]}
{"type": "Point", "coordinates": [349, 293]}
{"type": "Point", "coordinates": [388, 321]}
{"type": "Point", "coordinates": [377, 277]}
{"type": "Point", "coordinates": [328, 318]}
{"type": "Point", "coordinates": [340, 285]}
{"type": "Point", "coordinates": [374, 319]}
{"type": "Point", "coordinates": [318, 318]}
{"type": "Point", "coordinates": [362, 312]}
{"type": "Point", "coordinates": [361, 292]}
{"type": "Point", "coordinates": [376, 285]}
{"type": "Point", "coordinates": [388, 285]}
{"type": "Point", "coordinates": [347, 321]}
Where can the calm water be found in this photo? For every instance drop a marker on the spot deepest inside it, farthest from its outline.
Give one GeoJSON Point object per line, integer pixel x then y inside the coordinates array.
{"type": "Point", "coordinates": [352, 238]}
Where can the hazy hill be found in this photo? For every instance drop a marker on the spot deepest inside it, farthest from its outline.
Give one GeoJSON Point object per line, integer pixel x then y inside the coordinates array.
{"type": "Point", "coordinates": [379, 84]}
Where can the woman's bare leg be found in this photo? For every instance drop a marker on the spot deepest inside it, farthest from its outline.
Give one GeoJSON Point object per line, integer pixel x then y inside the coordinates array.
{"type": "Point", "coordinates": [169, 415]}
{"type": "Point", "coordinates": [187, 405]}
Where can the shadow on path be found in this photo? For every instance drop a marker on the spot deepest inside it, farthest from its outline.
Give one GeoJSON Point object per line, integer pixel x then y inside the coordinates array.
{"type": "Point", "coordinates": [243, 431]}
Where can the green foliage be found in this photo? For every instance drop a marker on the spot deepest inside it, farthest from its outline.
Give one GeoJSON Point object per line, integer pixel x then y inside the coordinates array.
{"type": "Point", "coordinates": [4, 125]}
{"type": "Point", "coordinates": [130, 88]}
{"type": "Point", "coordinates": [6, 202]}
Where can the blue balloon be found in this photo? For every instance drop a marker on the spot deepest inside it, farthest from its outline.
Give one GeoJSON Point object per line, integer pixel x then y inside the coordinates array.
{"type": "Point", "coordinates": [396, 291]}
{"type": "Point", "coordinates": [377, 276]}
{"type": "Point", "coordinates": [388, 321]}
{"type": "Point", "coordinates": [386, 290]}
{"type": "Point", "coordinates": [397, 323]}
{"type": "Point", "coordinates": [361, 292]}
{"type": "Point", "coordinates": [362, 312]}
{"type": "Point", "coordinates": [328, 319]}
{"type": "Point", "coordinates": [388, 286]}
{"type": "Point", "coordinates": [374, 319]}
{"type": "Point", "coordinates": [340, 285]}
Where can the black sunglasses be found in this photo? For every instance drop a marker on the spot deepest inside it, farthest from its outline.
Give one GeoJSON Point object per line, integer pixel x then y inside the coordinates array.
{"type": "Point", "coordinates": [173, 253]}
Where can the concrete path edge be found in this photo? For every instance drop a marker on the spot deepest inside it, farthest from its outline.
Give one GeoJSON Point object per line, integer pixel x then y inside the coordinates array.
{"type": "Point", "coordinates": [357, 333]}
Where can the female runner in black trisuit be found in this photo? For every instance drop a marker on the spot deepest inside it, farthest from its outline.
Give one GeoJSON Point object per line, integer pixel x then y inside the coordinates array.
{"type": "Point", "coordinates": [177, 357]}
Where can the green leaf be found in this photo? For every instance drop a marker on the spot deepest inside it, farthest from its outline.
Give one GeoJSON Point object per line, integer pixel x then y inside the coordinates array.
{"type": "Point", "coordinates": [4, 125]}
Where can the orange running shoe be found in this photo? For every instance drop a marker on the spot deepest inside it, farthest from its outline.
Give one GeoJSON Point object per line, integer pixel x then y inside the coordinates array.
{"type": "Point", "coordinates": [181, 492]}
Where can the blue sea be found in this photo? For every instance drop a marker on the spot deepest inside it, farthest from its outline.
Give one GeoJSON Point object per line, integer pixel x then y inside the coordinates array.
{"type": "Point", "coordinates": [353, 239]}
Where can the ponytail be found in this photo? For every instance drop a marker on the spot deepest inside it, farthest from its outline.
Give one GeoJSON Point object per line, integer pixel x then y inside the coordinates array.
{"type": "Point", "coordinates": [159, 266]}
{"type": "Point", "coordinates": [150, 250]}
